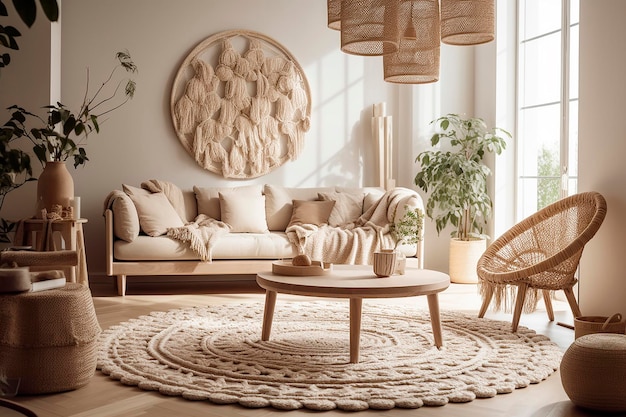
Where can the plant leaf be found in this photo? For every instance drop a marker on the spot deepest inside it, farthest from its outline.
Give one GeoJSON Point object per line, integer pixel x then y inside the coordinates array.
{"type": "Point", "coordinates": [51, 9]}
{"type": "Point", "coordinates": [27, 10]}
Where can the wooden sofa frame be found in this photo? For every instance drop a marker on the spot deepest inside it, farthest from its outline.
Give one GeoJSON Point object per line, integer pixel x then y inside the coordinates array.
{"type": "Point", "coordinates": [121, 269]}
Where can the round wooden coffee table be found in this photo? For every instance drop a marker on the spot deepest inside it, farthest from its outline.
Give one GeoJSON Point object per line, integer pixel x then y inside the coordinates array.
{"type": "Point", "coordinates": [356, 282]}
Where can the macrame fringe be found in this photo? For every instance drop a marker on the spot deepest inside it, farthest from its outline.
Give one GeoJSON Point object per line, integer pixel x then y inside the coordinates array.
{"type": "Point", "coordinates": [504, 297]}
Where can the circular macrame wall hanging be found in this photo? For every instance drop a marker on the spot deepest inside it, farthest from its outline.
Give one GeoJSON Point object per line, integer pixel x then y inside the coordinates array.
{"type": "Point", "coordinates": [241, 104]}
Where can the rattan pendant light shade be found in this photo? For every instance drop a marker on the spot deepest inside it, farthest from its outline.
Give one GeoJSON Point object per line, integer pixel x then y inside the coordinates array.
{"type": "Point", "coordinates": [417, 59]}
{"type": "Point", "coordinates": [363, 29]}
{"type": "Point", "coordinates": [408, 33]}
{"type": "Point", "coordinates": [467, 22]}
{"type": "Point", "coordinates": [334, 14]}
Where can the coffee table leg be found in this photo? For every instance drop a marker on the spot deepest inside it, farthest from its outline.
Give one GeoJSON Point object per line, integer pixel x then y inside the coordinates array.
{"type": "Point", "coordinates": [355, 328]}
{"type": "Point", "coordinates": [435, 321]}
{"type": "Point", "coordinates": [268, 314]}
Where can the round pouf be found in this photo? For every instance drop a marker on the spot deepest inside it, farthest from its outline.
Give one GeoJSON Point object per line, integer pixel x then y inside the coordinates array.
{"type": "Point", "coordinates": [593, 372]}
{"type": "Point", "coordinates": [49, 339]}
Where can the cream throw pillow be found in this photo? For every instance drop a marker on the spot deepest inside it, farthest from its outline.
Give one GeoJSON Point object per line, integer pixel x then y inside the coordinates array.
{"type": "Point", "coordinates": [208, 198]}
{"type": "Point", "coordinates": [311, 212]}
{"type": "Point", "coordinates": [348, 207]}
{"type": "Point", "coordinates": [125, 218]}
{"type": "Point", "coordinates": [156, 213]}
{"type": "Point", "coordinates": [243, 212]}
{"type": "Point", "coordinates": [130, 190]}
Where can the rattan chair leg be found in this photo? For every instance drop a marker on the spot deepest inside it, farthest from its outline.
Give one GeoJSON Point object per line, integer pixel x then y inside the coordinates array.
{"type": "Point", "coordinates": [548, 302]}
{"type": "Point", "coordinates": [573, 303]}
{"type": "Point", "coordinates": [487, 296]}
{"type": "Point", "coordinates": [519, 305]}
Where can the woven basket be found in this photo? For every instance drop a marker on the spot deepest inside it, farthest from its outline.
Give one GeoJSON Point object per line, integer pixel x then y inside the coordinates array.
{"type": "Point", "coordinates": [599, 324]}
{"type": "Point", "coordinates": [593, 372]}
{"type": "Point", "coordinates": [51, 340]}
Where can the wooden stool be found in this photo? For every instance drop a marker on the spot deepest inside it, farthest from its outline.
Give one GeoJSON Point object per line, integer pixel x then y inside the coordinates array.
{"type": "Point", "coordinates": [49, 339]}
{"type": "Point", "coordinates": [593, 372]}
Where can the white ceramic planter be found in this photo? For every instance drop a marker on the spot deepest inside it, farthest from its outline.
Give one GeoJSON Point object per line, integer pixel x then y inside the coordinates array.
{"type": "Point", "coordinates": [464, 255]}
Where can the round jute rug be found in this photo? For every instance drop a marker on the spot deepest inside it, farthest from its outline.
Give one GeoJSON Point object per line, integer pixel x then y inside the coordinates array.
{"type": "Point", "coordinates": [216, 354]}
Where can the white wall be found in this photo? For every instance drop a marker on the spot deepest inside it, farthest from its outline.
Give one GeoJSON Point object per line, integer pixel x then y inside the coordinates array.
{"type": "Point", "coordinates": [138, 142]}
{"type": "Point", "coordinates": [602, 146]}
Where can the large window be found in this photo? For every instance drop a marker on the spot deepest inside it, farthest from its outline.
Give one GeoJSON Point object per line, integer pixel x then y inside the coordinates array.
{"type": "Point", "coordinates": [547, 129]}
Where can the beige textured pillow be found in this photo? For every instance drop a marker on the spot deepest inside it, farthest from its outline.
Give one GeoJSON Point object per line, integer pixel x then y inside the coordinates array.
{"type": "Point", "coordinates": [208, 198]}
{"type": "Point", "coordinates": [125, 218]}
{"type": "Point", "coordinates": [130, 190]}
{"type": "Point", "coordinates": [243, 212]}
{"type": "Point", "coordinates": [348, 207]}
{"type": "Point", "coordinates": [278, 202]}
{"type": "Point", "coordinates": [311, 212]}
{"type": "Point", "coordinates": [156, 213]}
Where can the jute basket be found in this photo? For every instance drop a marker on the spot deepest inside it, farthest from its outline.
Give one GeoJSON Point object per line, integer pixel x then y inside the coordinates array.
{"type": "Point", "coordinates": [593, 372]}
{"type": "Point", "coordinates": [50, 341]}
{"type": "Point", "coordinates": [584, 325]}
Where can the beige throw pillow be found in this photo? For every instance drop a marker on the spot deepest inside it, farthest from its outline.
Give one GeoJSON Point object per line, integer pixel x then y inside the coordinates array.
{"type": "Point", "coordinates": [278, 202]}
{"type": "Point", "coordinates": [156, 213]}
{"type": "Point", "coordinates": [311, 212]}
{"type": "Point", "coordinates": [243, 212]}
{"type": "Point", "coordinates": [125, 218]}
{"type": "Point", "coordinates": [131, 190]}
{"type": "Point", "coordinates": [208, 198]}
{"type": "Point", "coordinates": [348, 207]}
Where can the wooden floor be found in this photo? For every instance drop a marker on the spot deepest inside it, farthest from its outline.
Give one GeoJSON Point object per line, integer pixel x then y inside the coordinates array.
{"type": "Point", "coordinates": [104, 397]}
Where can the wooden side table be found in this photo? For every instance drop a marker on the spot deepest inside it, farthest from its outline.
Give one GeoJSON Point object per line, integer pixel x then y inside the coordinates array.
{"type": "Point", "coordinates": [40, 234]}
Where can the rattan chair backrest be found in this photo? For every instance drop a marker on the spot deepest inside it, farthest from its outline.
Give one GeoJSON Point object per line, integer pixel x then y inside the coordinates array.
{"type": "Point", "coordinates": [548, 242]}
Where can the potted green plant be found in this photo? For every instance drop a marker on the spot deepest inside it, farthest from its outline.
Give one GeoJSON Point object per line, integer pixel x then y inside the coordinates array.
{"type": "Point", "coordinates": [63, 133]}
{"type": "Point", "coordinates": [408, 230]}
{"type": "Point", "coordinates": [456, 179]}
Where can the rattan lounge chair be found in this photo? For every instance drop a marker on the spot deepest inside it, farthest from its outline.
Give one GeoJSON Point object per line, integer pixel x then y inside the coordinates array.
{"type": "Point", "coordinates": [540, 254]}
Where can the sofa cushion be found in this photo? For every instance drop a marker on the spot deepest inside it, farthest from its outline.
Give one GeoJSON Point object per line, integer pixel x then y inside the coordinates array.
{"type": "Point", "coordinates": [126, 224]}
{"type": "Point", "coordinates": [243, 212]}
{"type": "Point", "coordinates": [311, 212]}
{"type": "Point", "coordinates": [155, 213]}
{"type": "Point", "coordinates": [279, 203]}
{"type": "Point", "coordinates": [208, 198]}
{"type": "Point", "coordinates": [348, 207]}
{"type": "Point", "coordinates": [234, 246]}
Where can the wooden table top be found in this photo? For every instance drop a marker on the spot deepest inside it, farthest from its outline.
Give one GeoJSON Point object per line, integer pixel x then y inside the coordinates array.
{"type": "Point", "coordinates": [357, 281]}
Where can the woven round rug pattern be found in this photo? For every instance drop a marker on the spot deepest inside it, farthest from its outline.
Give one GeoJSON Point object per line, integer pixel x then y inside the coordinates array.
{"type": "Point", "coordinates": [216, 354]}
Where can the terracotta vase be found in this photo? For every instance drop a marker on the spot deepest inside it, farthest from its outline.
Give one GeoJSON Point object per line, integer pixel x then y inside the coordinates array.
{"type": "Point", "coordinates": [55, 186]}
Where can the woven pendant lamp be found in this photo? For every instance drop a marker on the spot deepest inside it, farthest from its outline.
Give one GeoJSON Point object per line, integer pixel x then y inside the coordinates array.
{"type": "Point", "coordinates": [334, 14]}
{"type": "Point", "coordinates": [467, 22]}
{"type": "Point", "coordinates": [417, 59]}
{"type": "Point", "coordinates": [363, 29]}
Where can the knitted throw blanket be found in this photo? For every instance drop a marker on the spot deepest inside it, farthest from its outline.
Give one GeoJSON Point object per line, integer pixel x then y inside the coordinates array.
{"type": "Point", "coordinates": [353, 243]}
{"type": "Point", "coordinates": [201, 234]}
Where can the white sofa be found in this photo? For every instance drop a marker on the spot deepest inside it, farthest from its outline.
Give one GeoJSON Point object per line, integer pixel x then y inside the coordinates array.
{"type": "Point", "coordinates": [152, 229]}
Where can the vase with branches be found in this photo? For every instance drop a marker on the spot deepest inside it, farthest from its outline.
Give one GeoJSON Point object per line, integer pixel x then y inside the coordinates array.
{"type": "Point", "coordinates": [62, 134]}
